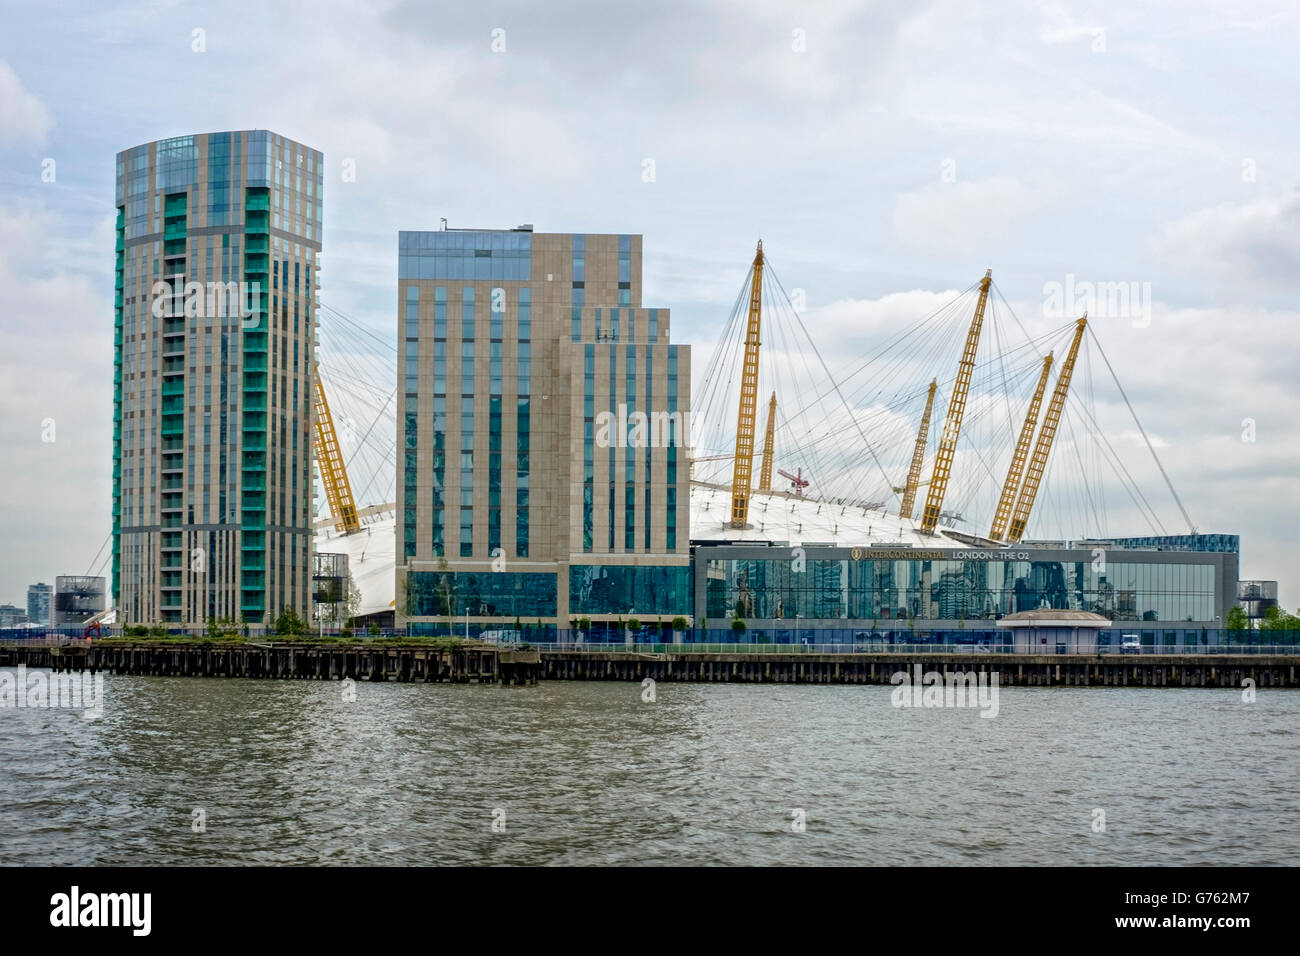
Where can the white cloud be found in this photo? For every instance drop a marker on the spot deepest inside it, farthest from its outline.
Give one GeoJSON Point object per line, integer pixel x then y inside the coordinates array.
{"type": "Point", "coordinates": [1244, 243]}
{"type": "Point", "coordinates": [960, 217]}
{"type": "Point", "coordinates": [1060, 26]}
{"type": "Point", "coordinates": [56, 366]}
{"type": "Point", "coordinates": [23, 117]}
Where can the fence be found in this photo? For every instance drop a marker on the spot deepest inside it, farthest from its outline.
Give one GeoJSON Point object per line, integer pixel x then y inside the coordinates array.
{"type": "Point", "coordinates": [754, 640]}
{"type": "Point", "coordinates": [868, 648]}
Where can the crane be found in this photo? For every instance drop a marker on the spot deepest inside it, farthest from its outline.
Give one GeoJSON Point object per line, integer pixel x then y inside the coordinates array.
{"type": "Point", "coordinates": [1038, 463]}
{"type": "Point", "coordinates": [918, 457]}
{"type": "Point", "coordinates": [743, 467]}
{"type": "Point", "coordinates": [333, 472]}
{"type": "Point", "coordinates": [956, 408]}
{"type": "Point", "coordinates": [1009, 487]}
{"type": "Point", "coordinates": [798, 482]}
{"type": "Point", "coordinates": [769, 445]}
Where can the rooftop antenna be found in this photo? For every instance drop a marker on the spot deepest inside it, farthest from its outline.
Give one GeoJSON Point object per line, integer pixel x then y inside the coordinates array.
{"type": "Point", "coordinates": [443, 220]}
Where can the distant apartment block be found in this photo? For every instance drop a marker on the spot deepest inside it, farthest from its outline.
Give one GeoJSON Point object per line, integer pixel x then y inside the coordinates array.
{"type": "Point", "coordinates": [39, 603]}
{"type": "Point", "coordinates": [11, 615]}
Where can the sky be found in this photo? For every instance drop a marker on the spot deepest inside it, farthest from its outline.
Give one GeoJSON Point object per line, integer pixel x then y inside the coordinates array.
{"type": "Point", "coordinates": [886, 153]}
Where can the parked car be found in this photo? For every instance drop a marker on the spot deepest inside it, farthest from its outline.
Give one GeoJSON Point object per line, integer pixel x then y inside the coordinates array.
{"type": "Point", "coordinates": [1130, 644]}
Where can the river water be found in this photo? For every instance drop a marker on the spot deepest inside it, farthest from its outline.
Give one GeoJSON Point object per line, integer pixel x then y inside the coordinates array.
{"type": "Point", "coordinates": [289, 772]}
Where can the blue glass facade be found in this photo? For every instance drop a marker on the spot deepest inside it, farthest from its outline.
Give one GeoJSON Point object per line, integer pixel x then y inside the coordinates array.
{"type": "Point", "coordinates": [410, 443]}
{"type": "Point", "coordinates": [865, 590]}
{"type": "Point", "coordinates": [620, 589]}
{"type": "Point", "coordinates": [1211, 543]}
{"type": "Point", "coordinates": [467, 422]}
{"type": "Point", "coordinates": [486, 594]}
{"type": "Point", "coordinates": [438, 504]}
{"type": "Point", "coordinates": [670, 479]}
{"type": "Point", "coordinates": [523, 420]}
{"type": "Point", "coordinates": [465, 254]}
{"type": "Point", "coordinates": [588, 445]}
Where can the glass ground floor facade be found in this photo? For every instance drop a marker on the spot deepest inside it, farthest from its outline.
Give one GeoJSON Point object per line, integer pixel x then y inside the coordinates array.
{"type": "Point", "coordinates": [838, 595]}
{"type": "Point", "coordinates": [885, 588]}
{"type": "Point", "coordinates": [607, 594]}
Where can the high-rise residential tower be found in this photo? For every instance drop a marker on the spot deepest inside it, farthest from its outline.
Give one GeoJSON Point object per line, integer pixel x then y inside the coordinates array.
{"type": "Point", "coordinates": [40, 598]}
{"type": "Point", "coordinates": [216, 273]}
{"type": "Point", "coordinates": [542, 424]}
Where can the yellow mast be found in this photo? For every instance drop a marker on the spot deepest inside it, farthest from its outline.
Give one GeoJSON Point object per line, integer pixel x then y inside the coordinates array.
{"type": "Point", "coordinates": [956, 407]}
{"type": "Point", "coordinates": [918, 456]}
{"type": "Point", "coordinates": [744, 463]}
{"type": "Point", "coordinates": [1038, 464]}
{"type": "Point", "coordinates": [333, 473]}
{"type": "Point", "coordinates": [769, 444]}
{"type": "Point", "coordinates": [1009, 487]}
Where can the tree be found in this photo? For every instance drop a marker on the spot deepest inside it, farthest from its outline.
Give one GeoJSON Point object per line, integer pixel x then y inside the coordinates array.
{"type": "Point", "coordinates": [738, 625]}
{"type": "Point", "coordinates": [354, 599]}
{"type": "Point", "coordinates": [679, 623]}
{"type": "Point", "coordinates": [219, 628]}
{"type": "Point", "coordinates": [584, 625]}
{"type": "Point", "coordinates": [1276, 619]}
{"type": "Point", "coordinates": [289, 623]}
{"type": "Point", "coordinates": [408, 596]}
{"type": "Point", "coordinates": [1237, 619]}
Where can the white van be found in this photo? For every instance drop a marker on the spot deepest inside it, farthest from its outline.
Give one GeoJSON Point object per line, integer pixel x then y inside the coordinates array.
{"type": "Point", "coordinates": [510, 636]}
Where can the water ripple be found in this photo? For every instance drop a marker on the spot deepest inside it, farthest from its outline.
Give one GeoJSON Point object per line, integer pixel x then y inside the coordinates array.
{"type": "Point", "coordinates": [287, 772]}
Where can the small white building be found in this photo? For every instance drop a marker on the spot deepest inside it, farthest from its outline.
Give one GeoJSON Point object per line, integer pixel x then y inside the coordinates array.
{"type": "Point", "coordinates": [1052, 630]}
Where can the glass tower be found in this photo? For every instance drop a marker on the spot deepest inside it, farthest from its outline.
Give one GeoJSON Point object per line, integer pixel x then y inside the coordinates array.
{"type": "Point", "coordinates": [214, 334]}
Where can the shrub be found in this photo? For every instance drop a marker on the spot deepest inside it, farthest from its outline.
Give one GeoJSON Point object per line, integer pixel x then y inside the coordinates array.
{"type": "Point", "coordinates": [289, 623]}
